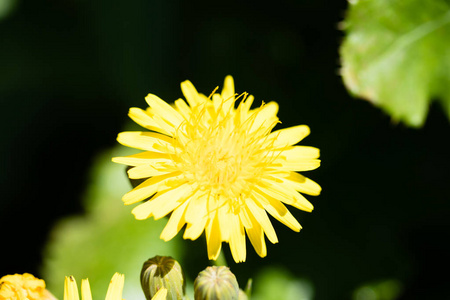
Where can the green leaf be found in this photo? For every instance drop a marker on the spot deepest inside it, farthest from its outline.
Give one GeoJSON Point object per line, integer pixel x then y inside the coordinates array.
{"type": "Point", "coordinates": [7, 7]}
{"type": "Point", "coordinates": [106, 239]}
{"type": "Point", "coordinates": [388, 289]}
{"type": "Point", "coordinates": [274, 283]}
{"type": "Point", "coordinates": [396, 54]}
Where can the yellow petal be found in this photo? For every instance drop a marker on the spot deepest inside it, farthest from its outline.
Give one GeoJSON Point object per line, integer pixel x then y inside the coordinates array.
{"type": "Point", "coordinates": [150, 141]}
{"type": "Point", "coordinates": [237, 240]}
{"type": "Point", "coordinates": [194, 230]}
{"type": "Point", "coordinates": [297, 158]}
{"type": "Point", "coordinates": [296, 153]}
{"type": "Point", "coordinates": [190, 93]}
{"type": "Point", "coordinates": [115, 288]}
{"type": "Point", "coordinates": [164, 124]}
{"type": "Point", "coordinates": [85, 290]}
{"type": "Point", "coordinates": [243, 110]}
{"type": "Point", "coordinates": [146, 171]}
{"type": "Point", "coordinates": [175, 223]}
{"type": "Point", "coordinates": [258, 212]}
{"type": "Point", "coordinates": [228, 94]}
{"type": "Point", "coordinates": [147, 157]}
{"type": "Point", "coordinates": [183, 109]}
{"type": "Point", "coordinates": [299, 165]}
{"type": "Point", "coordinates": [150, 187]}
{"type": "Point", "coordinates": [277, 209]}
{"type": "Point", "coordinates": [265, 118]}
{"type": "Point", "coordinates": [228, 88]}
{"type": "Point", "coordinates": [213, 238]}
{"type": "Point", "coordinates": [218, 105]}
{"type": "Point", "coordinates": [164, 110]}
{"type": "Point", "coordinates": [244, 217]}
{"type": "Point", "coordinates": [162, 203]}
{"type": "Point", "coordinates": [70, 289]}
{"type": "Point", "coordinates": [144, 119]}
{"type": "Point", "coordinates": [197, 208]}
{"type": "Point", "coordinates": [302, 184]}
{"type": "Point", "coordinates": [225, 222]}
{"type": "Point", "coordinates": [288, 136]}
{"type": "Point", "coordinates": [286, 194]}
{"type": "Point", "coordinates": [256, 237]}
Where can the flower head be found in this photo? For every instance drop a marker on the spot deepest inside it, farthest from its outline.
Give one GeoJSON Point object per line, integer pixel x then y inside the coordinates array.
{"type": "Point", "coordinates": [217, 167]}
{"type": "Point", "coordinates": [114, 290]}
{"type": "Point", "coordinates": [23, 287]}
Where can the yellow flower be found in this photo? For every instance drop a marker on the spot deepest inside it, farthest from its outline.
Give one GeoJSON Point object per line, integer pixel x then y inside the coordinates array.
{"type": "Point", "coordinates": [218, 168]}
{"type": "Point", "coordinates": [23, 287]}
{"type": "Point", "coordinates": [114, 290]}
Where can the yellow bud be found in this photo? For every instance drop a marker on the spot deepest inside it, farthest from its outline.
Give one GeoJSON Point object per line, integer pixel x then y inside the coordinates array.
{"type": "Point", "coordinates": [216, 283]}
{"type": "Point", "coordinates": [162, 272]}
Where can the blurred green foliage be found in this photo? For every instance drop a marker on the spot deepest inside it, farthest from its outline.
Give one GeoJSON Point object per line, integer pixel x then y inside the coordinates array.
{"type": "Point", "coordinates": [7, 7]}
{"type": "Point", "coordinates": [274, 283]}
{"type": "Point", "coordinates": [396, 55]}
{"type": "Point", "coordinates": [107, 239]}
{"type": "Point", "coordinates": [389, 289]}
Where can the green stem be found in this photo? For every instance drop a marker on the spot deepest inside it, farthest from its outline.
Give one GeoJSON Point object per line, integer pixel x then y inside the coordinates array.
{"type": "Point", "coordinates": [220, 261]}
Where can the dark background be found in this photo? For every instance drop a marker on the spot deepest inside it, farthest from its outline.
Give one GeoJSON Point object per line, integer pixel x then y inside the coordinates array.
{"type": "Point", "coordinates": [69, 71]}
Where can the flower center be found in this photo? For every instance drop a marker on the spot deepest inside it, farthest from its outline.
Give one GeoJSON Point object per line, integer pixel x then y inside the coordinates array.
{"type": "Point", "coordinates": [220, 165]}
{"type": "Point", "coordinates": [218, 156]}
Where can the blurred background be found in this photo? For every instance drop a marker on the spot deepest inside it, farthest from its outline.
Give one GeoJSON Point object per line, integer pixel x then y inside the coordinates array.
{"type": "Point", "coordinates": [71, 69]}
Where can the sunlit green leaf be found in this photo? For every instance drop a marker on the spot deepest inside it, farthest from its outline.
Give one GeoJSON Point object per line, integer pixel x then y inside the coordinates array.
{"type": "Point", "coordinates": [274, 283]}
{"type": "Point", "coordinates": [106, 239]}
{"type": "Point", "coordinates": [396, 54]}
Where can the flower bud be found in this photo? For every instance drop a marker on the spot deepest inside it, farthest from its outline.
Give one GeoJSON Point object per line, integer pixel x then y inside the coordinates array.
{"type": "Point", "coordinates": [23, 286]}
{"type": "Point", "coordinates": [162, 272]}
{"type": "Point", "coordinates": [242, 295]}
{"type": "Point", "coordinates": [216, 283]}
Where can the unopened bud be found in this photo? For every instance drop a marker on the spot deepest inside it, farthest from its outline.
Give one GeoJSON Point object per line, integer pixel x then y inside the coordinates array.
{"type": "Point", "coordinates": [216, 283]}
{"type": "Point", "coordinates": [242, 295]}
{"type": "Point", "coordinates": [162, 272]}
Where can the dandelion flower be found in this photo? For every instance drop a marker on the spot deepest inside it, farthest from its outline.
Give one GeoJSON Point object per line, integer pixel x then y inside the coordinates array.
{"type": "Point", "coordinates": [218, 168]}
{"type": "Point", "coordinates": [114, 290]}
{"type": "Point", "coordinates": [23, 287]}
